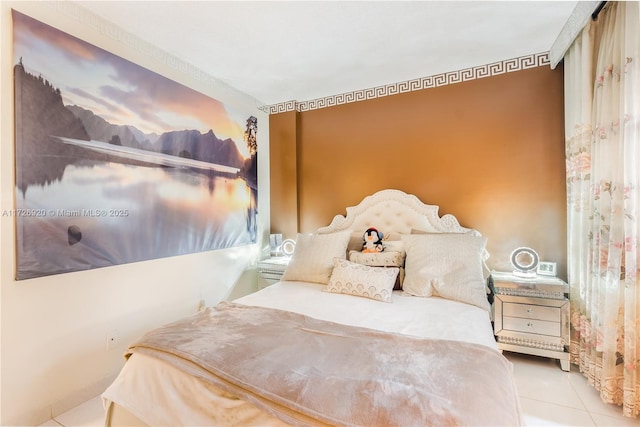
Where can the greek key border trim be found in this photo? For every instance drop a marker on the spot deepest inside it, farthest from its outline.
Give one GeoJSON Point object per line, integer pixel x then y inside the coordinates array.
{"type": "Point", "coordinates": [467, 74]}
{"type": "Point", "coordinates": [112, 30]}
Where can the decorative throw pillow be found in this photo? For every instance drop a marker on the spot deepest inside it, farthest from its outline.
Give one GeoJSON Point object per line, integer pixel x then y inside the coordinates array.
{"type": "Point", "coordinates": [448, 265]}
{"type": "Point", "coordinates": [382, 259]}
{"type": "Point", "coordinates": [312, 260]}
{"type": "Point", "coordinates": [378, 259]}
{"type": "Point", "coordinates": [362, 280]}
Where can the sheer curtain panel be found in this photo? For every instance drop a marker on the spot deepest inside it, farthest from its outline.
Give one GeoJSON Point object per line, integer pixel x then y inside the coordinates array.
{"type": "Point", "coordinates": [602, 130]}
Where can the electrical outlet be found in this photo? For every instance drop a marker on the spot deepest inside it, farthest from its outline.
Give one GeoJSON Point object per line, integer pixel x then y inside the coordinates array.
{"type": "Point", "coordinates": [112, 339]}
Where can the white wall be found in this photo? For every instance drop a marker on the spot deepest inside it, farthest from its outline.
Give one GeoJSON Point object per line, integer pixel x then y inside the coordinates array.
{"type": "Point", "coordinates": [53, 329]}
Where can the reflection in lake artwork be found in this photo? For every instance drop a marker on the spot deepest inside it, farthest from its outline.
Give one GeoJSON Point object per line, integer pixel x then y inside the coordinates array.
{"type": "Point", "coordinates": [117, 164]}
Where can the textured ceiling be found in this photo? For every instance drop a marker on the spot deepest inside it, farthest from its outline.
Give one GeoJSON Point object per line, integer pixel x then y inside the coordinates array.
{"type": "Point", "coordinates": [301, 50]}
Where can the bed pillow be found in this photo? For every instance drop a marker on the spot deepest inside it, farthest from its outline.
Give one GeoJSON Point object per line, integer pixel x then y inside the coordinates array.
{"type": "Point", "coordinates": [362, 280]}
{"type": "Point", "coordinates": [355, 241]}
{"type": "Point", "coordinates": [393, 245]}
{"type": "Point", "coordinates": [486, 271]}
{"type": "Point", "coordinates": [312, 260]}
{"type": "Point", "coordinates": [448, 265]}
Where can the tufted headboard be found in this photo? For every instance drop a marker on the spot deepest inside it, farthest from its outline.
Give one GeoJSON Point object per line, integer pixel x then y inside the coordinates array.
{"type": "Point", "coordinates": [394, 211]}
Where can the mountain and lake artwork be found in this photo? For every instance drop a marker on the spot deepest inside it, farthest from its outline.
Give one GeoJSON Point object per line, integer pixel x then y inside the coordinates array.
{"type": "Point", "coordinates": [116, 164]}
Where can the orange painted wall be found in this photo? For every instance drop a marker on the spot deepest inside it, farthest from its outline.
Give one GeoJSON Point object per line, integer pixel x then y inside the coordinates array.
{"type": "Point", "coordinates": [489, 151]}
{"type": "Point", "coordinates": [283, 173]}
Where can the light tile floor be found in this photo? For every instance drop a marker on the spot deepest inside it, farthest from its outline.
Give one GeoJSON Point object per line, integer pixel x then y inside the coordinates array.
{"type": "Point", "coordinates": [548, 395]}
{"type": "Point", "coordinates": [89, 414]}
{"type": "Point", "coordinates": [552, 397]}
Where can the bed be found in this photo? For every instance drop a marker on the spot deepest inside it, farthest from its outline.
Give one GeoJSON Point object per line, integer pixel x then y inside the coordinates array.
{"type": "Point", "coordinates": [400, 336]}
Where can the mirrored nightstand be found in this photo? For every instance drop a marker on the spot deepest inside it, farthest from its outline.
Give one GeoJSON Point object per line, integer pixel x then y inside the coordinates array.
{"type": "Point", "coordinates": [532, 315]}
{"type": "Point", "coordinates": [271, 270]}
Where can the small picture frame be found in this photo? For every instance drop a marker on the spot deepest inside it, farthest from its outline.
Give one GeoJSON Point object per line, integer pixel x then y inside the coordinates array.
{"type": "Point", "coordinates": [275, 242]}
{"type": "Point", "coordinates": [546, 268]}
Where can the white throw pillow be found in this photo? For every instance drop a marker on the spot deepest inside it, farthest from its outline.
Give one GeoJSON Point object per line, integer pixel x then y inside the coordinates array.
{"type": "Point", "coordinates": [448, 265]}
{"type": "Point", "coordinates": [383, 259]}
{"type": "Point", "coordinates": [312, 260]}
{"type": "Point", "coordinates": [362, 280]}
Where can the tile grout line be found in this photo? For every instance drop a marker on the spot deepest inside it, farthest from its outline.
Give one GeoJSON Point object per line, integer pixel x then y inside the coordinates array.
{"type": "Point", "coordinates": [564, 407]}
{"type": "Point", "coordinates": [582, 401]}
{"type": "Point", "coordinates": [555, 404]}
{"type": "Point", "coordinates": [543, 400]}
{"type": "Point", "coordinates": [591, 413]}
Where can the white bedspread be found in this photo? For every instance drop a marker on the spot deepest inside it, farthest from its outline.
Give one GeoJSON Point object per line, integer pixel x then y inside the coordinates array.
{"type": "Point", "coordinates": [159, 394]}
{"type": "Point", "coordinates": [432, 317]}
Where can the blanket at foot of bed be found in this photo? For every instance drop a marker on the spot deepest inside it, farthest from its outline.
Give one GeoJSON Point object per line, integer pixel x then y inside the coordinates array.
{"type": "Point", "coordinates": [307, 371]}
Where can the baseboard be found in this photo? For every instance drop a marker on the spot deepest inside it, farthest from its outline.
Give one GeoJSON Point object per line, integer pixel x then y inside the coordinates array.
{"type": "Point", "coordinates": [80, 396]}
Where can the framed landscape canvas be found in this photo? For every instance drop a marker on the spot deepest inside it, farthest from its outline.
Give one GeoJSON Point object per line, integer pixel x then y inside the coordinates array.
{"type": "Point", "coordinates": [118, 164]}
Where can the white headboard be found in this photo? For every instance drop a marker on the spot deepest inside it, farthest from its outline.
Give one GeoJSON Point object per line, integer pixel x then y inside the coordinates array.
{"type": "Point", "coordinates": [394, 211]}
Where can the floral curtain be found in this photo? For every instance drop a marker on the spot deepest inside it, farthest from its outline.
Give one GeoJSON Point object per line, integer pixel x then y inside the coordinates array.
{"type": "Point", "coordinates": [602, 130]}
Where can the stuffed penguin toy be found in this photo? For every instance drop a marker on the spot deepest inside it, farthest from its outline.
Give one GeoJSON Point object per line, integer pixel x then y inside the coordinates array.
{"type": "Point", "coordinates": [372, 241]}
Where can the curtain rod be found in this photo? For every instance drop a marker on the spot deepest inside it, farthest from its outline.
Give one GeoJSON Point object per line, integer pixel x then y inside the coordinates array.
{"type": "Point", "coordinates": [596, 12]}
{"type": "Point", "coordinates": [583, 11]}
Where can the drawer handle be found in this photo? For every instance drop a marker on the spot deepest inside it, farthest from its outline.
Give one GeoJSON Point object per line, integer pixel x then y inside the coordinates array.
{"type": "Point", "coordinates": [529, 310]}
{"type": "Point", "coordinates": [529, 324]}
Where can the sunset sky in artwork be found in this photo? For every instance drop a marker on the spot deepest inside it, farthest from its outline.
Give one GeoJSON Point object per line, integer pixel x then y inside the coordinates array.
{"type": "Point", "coordinates": [118, 90]}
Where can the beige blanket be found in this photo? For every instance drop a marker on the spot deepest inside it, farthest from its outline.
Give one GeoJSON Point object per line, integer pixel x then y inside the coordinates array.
{"type": "Point", "coordinates": [311, 372]}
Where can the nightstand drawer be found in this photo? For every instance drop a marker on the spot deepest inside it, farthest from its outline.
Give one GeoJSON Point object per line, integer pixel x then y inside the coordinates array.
{"type": "Point", "coordinates": [273, 277]}
{"type": "Point", "coordinates": [531, 326]}
{"type": "Point", "coordinates": [530, 311]}
{"type": "Point", "coordinates": [271, 270]}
